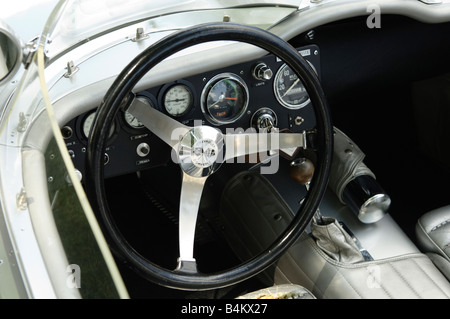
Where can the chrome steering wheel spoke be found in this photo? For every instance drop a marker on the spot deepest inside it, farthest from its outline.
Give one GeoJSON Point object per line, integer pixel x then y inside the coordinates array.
{"type": "Point", "coordinates": [251, 143]}
{"type": "Point", "coordinates": [191, 193]}
{"type": "Point", "coordinates": [163, 126]}
{"type": "Point", "coordinates": [197, 150]}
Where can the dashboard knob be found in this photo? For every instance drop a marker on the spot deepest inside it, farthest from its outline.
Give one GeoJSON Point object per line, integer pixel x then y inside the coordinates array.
{"type": "Point", "coordinates": [262, 72]}
{"type": "Point", "coordinates": [143, 149]}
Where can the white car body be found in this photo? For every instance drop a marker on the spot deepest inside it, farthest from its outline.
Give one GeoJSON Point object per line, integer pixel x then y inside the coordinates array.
{"type": "Point", "coordinates": [82, 57]}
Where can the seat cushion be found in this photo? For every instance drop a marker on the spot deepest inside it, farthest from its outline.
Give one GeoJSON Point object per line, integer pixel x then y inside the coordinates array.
{"type": "Point", "coordinates": [433, 232]}
{"type": "Point", "coordinates": [411, 276]}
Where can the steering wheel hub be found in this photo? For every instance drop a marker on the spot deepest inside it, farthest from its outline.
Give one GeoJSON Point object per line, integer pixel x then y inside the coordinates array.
{"type": "Point", "coordinates": [201, 150]}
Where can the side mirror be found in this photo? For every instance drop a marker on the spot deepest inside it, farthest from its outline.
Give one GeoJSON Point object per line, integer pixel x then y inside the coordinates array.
{"type": "Point", "coordinates": [11, 52]}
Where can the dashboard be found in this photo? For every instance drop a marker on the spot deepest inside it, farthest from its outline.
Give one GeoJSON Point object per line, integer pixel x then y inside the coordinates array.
{"type": "Point", "coordinates": [258, 94]}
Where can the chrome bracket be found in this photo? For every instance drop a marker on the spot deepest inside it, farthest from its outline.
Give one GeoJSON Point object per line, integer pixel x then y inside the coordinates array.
{"type": "Point", "coordinates": [29, 51]}
{"type": "Point", "coordinates": [71, 69]}
{"type": "Point", "coordinates": [140, 35]}
{"type": "Point", "coordinates": [23, 123]}
{"type": "Point", "coordinates": [21, 199]}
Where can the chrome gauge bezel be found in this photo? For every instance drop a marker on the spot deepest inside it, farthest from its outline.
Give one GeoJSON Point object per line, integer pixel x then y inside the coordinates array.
{"type": "Point", "coordinates": [171, 88]}
{"type": "Point", "coordinates": [278, 94]}
{"type": "Point", "coordinates": [207, 89]}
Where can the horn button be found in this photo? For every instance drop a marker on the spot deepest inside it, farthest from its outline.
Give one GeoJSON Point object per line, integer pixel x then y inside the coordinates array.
{"type": "Point", "coordinates": [200, 152]}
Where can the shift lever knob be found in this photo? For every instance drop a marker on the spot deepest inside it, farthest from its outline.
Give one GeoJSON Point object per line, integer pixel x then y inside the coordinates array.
{"type": "Point", "coordinates": [302, 170]}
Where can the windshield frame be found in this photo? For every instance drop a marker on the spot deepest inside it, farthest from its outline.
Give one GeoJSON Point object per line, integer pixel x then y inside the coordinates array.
{"type": "Point", "coordinates": [76, 22]}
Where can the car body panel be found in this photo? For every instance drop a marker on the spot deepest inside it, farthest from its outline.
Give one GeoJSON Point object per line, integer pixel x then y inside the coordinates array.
{"type": "Point", "coordinates": [78, 62]}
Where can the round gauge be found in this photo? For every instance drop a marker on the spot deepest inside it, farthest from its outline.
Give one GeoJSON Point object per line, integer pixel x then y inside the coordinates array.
{"type": "Point", "coordinates": [89, 121]}
{"type": "Point", "coordinates": [178, 100]}
{"type": "Point", "coordinates": [131, 120]}
{"type": "Point", "coordinates": [225, 98]}
{"type": "Point", "coordinates": [289, 89]}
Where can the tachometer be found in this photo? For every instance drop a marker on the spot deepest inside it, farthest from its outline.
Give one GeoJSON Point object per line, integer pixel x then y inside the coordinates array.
{"type": "Point", "coordinates": [289, 89]}
{"type": "Point", "coordinates": [224, 98]}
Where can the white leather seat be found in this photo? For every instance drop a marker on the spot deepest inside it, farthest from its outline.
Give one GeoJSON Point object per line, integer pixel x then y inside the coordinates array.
{"type": "Point", "coordinates": [411, 276]}
{"type": "Point", "coordinates": [433, 237]}
{"type": "Point", "coordinates": [325, 270]}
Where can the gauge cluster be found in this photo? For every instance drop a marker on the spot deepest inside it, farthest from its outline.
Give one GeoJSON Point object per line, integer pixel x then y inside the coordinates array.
{"type": "Point", "coordinates": [258, 94]}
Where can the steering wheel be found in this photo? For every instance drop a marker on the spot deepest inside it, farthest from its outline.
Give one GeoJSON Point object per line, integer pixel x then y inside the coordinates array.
{"type": "Point", "coordinates": [199, 163]}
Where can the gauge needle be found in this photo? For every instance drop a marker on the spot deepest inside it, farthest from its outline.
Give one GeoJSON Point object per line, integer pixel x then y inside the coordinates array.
{"type": "Point", "coordinates": [221, 98]}
{"type": "Point", "coordinates": [291, 87]}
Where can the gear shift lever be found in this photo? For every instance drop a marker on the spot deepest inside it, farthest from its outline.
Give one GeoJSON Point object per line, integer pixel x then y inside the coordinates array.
{"type": "Point", "coordinates": [330, 236]}
{"type": "Point", "coordinates": [302, 171]}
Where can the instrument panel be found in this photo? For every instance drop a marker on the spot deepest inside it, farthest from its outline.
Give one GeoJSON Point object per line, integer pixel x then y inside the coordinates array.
{"type": "Point", "coordinates": [258, 94]}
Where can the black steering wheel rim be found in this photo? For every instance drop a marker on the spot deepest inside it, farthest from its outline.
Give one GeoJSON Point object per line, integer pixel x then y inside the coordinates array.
{"type": "Point", "coordinates": [120, 91]}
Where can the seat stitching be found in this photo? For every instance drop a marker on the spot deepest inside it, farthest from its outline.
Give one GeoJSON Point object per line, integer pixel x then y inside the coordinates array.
{"type": "Point", "coordinates": [429, 277]}
{"type": "Point", "coordinates": [306, 276]}
{"type": "Point", "coordinates": [404, 280]}
{"type": "Point", "coordinates": [362, 264]}
{"type": "Point", "coordinates": [380, 284]}
{"type": "Point", "coordinates": [338, 270]}
{"type": "Point", "coordinates": [311, 281]}
{"type": "Point", "coordinates": [431, 241]}
{"type": "Point", "coordinates": [316, 288]}
{"type": "Point", "coordinates": [440, 225]}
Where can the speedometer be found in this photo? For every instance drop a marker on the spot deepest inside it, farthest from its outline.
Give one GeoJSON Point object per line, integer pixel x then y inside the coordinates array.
{"type": "Point", "coordinates": [224, 98]}
{"type": "Point", "coordinates": [289, 89]}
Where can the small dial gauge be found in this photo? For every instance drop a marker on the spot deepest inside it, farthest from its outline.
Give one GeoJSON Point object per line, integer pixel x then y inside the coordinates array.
{"type": "Point", "coordinates": [225, 98]}
{"type": "Point", "coordinates": [289, 89]}
{"type": "Point", "coordinates": [89, 121]}
{"type": "Point", "coordinates": [178, 100]}
{"type": "Point", "coordinates": [131, 120]}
